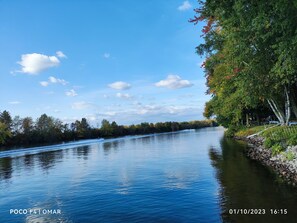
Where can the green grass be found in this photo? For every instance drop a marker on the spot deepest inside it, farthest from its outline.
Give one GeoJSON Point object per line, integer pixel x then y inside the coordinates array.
{"type": "Point", "coordinates": [280, 133]}
{"type": "Point", "coordinates": [245, 131]}
{"type": "Point", "coordinates": [277, 138]}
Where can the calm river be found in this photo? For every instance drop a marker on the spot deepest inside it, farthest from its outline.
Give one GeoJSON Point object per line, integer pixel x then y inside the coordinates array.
{"type": "Point", "coordinates": [189, 176]}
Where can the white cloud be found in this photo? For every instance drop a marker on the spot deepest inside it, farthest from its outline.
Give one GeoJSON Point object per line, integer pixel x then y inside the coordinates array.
{"type": "Point", "coordinates": [91, 117]}
{"type": "Point", "coordinates": [44, 83]}
{"type": "Point", "coordinates": [148, 109]}
{"type": "Point", "coordinates": [71, 93]}
{"type": "Point", "coordinates": [164, 110]}
{"type": "Point", "coordinates": [54, 80]}
{"type": "Point", "coordinates": [174, 82]}
{"type": "Point", "coordinates": [14, 102]}
{"type": "Point", "coordinates": [81, 105]}
{"type": "Point", "coordinates": [123, 96]}
{"type": "Point", "coordinates": [136, 112]}
{"type": "Point", "coordinates": [110, 113]}
{"type": "Point", "coordinates": [120, 85]}
{"type": "Point", "coordinates": [106, 55]}
{"type": "Point", "coordinates": [35, 63]}
{"type": "Point", "coordinates": [185, 6]}
{"type": "Point", "coordinates": [60, 54]}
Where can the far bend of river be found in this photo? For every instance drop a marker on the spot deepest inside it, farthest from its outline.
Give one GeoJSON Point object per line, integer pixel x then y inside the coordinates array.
{"type": "Point", "coordinates": [188, 176]}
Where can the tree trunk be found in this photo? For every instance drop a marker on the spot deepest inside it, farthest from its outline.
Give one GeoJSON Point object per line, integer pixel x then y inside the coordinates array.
{"type": "Point", "coordinates": [258, 119]}
{"type": "Point", "coordinates": [287, 106]}
{"type": "Point", "coordinates": [278, 113]}
{"type": "Point", "coordinates": [293, 103]}
{"type": "Point", "coordinates": [247, 120]}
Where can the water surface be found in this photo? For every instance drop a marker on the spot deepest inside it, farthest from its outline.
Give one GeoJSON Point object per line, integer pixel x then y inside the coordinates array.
{"type": "Point", "coordinates": [188, 176]}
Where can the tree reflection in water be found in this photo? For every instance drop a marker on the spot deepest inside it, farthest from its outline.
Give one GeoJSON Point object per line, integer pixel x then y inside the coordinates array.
{"type": "Point", "coordinates": [5, 168]}
{"type": "Point", "coordinates": [45, 160]}
{"type": "Point", "coordinates": [82, 152]}
{"type": "Point", "coordinates": [107, 146]}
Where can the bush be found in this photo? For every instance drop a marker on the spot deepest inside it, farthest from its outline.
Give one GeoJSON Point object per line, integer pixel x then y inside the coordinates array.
{"type": "Point", "coordinates": [277, 149]}
{"type": "Point", "coordinates": [231, 131]}
{"type": "Point", "coordinates": [290, 156]}
{"type": "Point", "coordinates": [268, 143]}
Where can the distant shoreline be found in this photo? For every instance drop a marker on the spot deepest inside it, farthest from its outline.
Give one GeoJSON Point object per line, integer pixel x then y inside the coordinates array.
{"type": "Point", "coordinates": [32, 149]}
{"type": "Point", "coordinates": [47, 130]}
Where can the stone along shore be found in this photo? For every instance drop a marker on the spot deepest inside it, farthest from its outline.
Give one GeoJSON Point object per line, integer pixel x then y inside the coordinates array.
{"type": "Point", "coordinates": [286, 169]}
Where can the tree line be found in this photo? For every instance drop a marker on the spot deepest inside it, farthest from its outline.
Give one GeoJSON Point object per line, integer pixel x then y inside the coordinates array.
{"type": "Point", "coordinates": [19, 131]}
{"type": "Point", "coordinates": [250, 48]}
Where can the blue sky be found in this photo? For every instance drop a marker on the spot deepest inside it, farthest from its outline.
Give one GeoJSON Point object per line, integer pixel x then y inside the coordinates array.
{"type": "Point", "coordinates": [128, 61]}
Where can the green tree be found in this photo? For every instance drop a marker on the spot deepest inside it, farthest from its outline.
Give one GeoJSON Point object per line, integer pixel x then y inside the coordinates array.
{"type": "Point", "coordinates": [17, 125]}
{"type": "Point", "coordinates": [48, 129]}
{"type": "Point", "coordinates": [251, 50]}
{"type": "Point", "coordinates": [83, 128]}
{"type": "Point", "coordinates": [27, 125]}
{"type": "Point", "coordinates": [4, 133]}
{"type": "Point", "coordinates": [6, 119]}
{"type": "Point", "coordinates": [106, 128]}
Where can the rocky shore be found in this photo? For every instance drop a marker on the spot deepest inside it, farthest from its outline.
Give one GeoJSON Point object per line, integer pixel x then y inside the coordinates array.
{"type": "Point", "coordinates": [284, 167]}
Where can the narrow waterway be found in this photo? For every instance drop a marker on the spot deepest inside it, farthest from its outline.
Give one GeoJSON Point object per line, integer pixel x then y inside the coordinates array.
{"type": "Point", "coordinates": [187, 176]}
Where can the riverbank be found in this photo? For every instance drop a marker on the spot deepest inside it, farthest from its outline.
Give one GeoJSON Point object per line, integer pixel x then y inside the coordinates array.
{"type": "Point", "coordinates": [284, 164]}
{"type": "Point", "coordinates": [52, 131]}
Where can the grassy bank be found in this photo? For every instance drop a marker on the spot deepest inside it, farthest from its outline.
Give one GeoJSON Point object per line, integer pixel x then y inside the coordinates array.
{"type": "Point", "coordinates": [277, 138]}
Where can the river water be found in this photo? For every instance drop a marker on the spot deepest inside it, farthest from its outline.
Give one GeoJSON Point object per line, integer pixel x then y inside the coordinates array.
{"type": "Point", "coordinates": [187, 176]}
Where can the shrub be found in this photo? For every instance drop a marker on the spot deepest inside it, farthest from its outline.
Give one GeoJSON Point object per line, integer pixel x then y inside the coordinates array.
{"type": "Point", "coordinates": [277, 149]}
{"type": "Point", "coordinates": [231, 131]}
{"type": "Point", "coordinates": [290, 156]}
{"type": "Point", "coordinates": [268, 143]}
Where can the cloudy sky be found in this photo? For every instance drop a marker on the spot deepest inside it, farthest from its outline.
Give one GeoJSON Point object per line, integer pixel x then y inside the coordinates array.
{"type": "Point", "coordinates": [128, 61]}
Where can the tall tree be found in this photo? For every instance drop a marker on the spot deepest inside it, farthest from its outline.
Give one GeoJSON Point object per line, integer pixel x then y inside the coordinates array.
{"type": "Point", "coordinates": [48, 128]}
{"type": "Point", "coordinates": [6, 119]}
{"type": "Point", "coordinates": [106, 128]}
{"type": "Point", "coordinates": [83, 128]}
{"type": "Point", "coordinates": [248, 43]}
{"type": "Point", "coordinates": [4, 133]}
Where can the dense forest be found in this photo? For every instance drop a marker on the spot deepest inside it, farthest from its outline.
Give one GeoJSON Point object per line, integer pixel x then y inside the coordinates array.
{"type": "Point", "coordinates": [250, 48]}
{"type": "Point", "coordinates": [46, 129]}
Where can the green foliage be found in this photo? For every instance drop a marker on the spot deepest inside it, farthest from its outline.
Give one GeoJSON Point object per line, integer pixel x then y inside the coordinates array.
{"type": "Point", "coordinates": [83, 129]}
{"type": "Point", "coordinates": [46, 129]}
{"type": "Point", "coordinates": [106, 128]}
{"type": "Point", "coordinates": [268, 143]}
{"type": "Point", "coordinates": [290, 155]}
{"type": "Point", "coordinates": [245, 131]}
{"type": "Point", "coordinates": [4, 133]}
{"type": "Point", "coordinates": [292, 140]}
{"type": "Point", "coordinates": [278, 135]}
{"type": "Point", "coordinates": [277, 149]}
{"type": "Point", "coordinates": [6, 119]}
{"type": "Point", "coordinates": [251, 51]}
{"type": "Point", "coordinates": [285, 134]}
{"type": "Point", "coordinates": [231, 131]}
